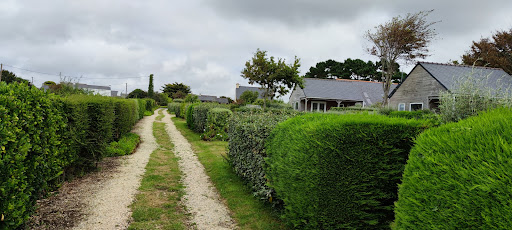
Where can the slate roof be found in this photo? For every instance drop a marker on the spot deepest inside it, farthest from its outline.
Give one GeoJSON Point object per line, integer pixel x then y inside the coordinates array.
{"type": "Point", "coordinates": [207, 98]}
{"type": "Point", "coordinates": [242, 89]}
{"type": "Point", "coordinates": [86, 86]}
{"type": "Point", "coordinates": [341, 89]}
{"type": "Point", "coordinates": [449, 75]}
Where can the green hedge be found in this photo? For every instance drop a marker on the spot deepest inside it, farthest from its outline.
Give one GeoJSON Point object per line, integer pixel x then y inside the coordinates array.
{"type": "Point", "coordinates": [174, 108]}
{"type": "Point", "coordinates": [150, 104]}
{"type": "Point", "coordinates": [190, 117]}
{"type": "Point", "coordinates": [339, 171]}
{"type": "Point", "coordinates": [200, 115]}
{"type": "Point", "coordinates": [141, 103]}
{"type": "Point", "coordinates": [459, 176]}
{"type": "Point", "coordinates": [217, 126]}
{"type": "Point", "coordinates": [246, 148]}
{"type": "Point", "coordinates": [43, 137]}
{"type": "Point", "coordinates": [32, 125]}
{"type": "Point", "coordinates": [418, 114]}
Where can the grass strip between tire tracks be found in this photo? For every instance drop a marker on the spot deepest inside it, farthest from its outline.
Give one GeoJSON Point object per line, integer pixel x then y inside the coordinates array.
{"type": "Point", "coordinates": [157, 205]}
{"type": "Point", "coordinates": [247, 210]}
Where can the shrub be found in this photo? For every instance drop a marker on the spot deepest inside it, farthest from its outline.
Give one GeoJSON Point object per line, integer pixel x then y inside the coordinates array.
{"type": "Point", "coordinates": [126, 145]}
{"type": "Point", "coordinates": [246, 148]}
{"type": "Point", "coordinates": [174, 108]}
{"type": "Point", "coordinates": [339, 171]}
{"type": "Point", "coordinates": [458, 176]}
{"type": "Point", "coordinates": [150, 104]}
{"type": "Point", "coordinates": [353, 109]}
{"type": "Point", "coordinates": [191, 98]}
{"type": "Point", "coordinates": [190, 116]}
{"type": "Point", "coordinates": [249, 97]}
{"type": "Point", "coordinates": [217, 124]}
{"type": "Point", "coordinates": [183, 107]}
{"type": "Point", "coordinates": [126, 115]}
{"type": "Point", "coordinates": [32, 125]}
{"type": "Point", "coordinates": [200, 115]}
{"type": "Point", "coordinates": [142, 107]}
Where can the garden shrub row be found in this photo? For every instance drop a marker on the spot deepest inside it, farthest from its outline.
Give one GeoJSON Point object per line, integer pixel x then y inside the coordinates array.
{"type": "Point", "coordinates": [247, 133]}
{"type": "Point", "coordinates": [174, 107]}
{"type": "Point", "coordinates": [217, 124]}
{"type": "Point", "coordinates": [200, 115]}
{"type": "Point", "coordinates": [43, 137]}
{"type": "Point", "coordinates": [339, 171]}
{"type": "Point", "coordinates": [458, 176]}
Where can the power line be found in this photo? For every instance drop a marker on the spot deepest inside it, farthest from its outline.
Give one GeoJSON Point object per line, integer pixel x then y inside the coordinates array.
{"type": "Point", "coordinates": [59, 75]}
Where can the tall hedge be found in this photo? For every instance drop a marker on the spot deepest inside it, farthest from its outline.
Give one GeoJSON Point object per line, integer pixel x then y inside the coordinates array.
{"type": "Point", "coordinates": [126, 115]}
{"type": "Point", "coordinates": [217, 124]}
{"type": "Point", "coordinates": [190, 117]}
{"type": "Point", "coordinates": [246, 147]}
{"type": "Point", "coordinates": [200, 115]}
{"type": "Point", "coordinates": [32, 125]}
{"type": "Point", "coordinates": [174, 108]}
{"type": "Point", "coordinates": [141, 103]}
{"type": "Point", "coordinates": [339, 171]}
{"type": "Point", "coordinates": [459, 176]}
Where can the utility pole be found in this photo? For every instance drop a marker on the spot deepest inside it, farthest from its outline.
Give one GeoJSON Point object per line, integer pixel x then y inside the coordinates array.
{"type": "Point", "coordinates": [1, 70]}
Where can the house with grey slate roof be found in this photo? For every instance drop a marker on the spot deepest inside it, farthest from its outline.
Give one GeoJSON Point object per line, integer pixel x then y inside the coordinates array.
{"type": "Point", "coordinates": [241, 89]}
{"type": "Point", "coordinates": [207, 98]}
{"type": "Point", "coordinates": [423, 85]}
{"type": "Point", "coordinates": [322, 94]}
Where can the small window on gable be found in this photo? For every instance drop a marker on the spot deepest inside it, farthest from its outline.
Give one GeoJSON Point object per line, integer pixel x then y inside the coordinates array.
{"type": "Point", "coordinates": [297, 105]}
{"type": "Point", "coordinates": [401, 107]}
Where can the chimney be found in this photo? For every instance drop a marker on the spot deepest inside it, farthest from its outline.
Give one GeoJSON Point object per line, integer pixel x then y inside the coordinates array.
{"type": "Point", "coordinates": [237, 85]}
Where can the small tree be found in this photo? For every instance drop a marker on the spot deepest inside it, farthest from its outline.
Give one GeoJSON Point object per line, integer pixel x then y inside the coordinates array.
{"type": "Point", "coordinates": [191, 98]}
{"type": "Point", "coordinates": [273, 76]}
{"type": "Point", "coordinates": [495, 52]}
{"type": "Point", "coordinates": [249, 97]}
{"type": "Point", "coordinates": [173, 89]}
{"type": "Point", "coordinates": [401, 38]}
{"type": "Point", "coordinates": [137, 93]}
{"type": "Point", "coordinates": [150, 88]}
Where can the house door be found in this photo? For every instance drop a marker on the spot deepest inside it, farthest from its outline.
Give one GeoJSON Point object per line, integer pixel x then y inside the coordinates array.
{"type": "Point", "coordinates": [317, 106]}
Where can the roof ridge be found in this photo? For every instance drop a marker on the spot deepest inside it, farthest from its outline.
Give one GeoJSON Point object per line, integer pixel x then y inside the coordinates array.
{"type": "Point", "coordinates": [460, 65]}
{"type": "Point", "coordinates": [339, 79]}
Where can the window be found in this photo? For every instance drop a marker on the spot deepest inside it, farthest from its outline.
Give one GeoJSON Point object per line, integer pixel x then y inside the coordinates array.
{"type": "Point", "coordinates": [318, 106]}
{"type": "Point", "coordinates": [296, 105]}
{"type": "Point", "coordinates": [416, 106]}
{"type": "Point", "coordinates": [401, 107]}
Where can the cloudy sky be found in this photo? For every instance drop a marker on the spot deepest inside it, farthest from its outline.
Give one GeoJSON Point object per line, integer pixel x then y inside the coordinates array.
{"type": "Point", "coordinates": [205, 43]}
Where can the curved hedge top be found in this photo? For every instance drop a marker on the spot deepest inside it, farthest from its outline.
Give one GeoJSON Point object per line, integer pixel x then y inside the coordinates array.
{"type": "Point", "coordinates": [459, 176]}
{"type": "Point", "coordinates": [339, 171]}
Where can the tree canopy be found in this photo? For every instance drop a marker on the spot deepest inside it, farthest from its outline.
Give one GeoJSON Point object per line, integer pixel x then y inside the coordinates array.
{"type": "Point", "coordinates": [274, 76]}
{"type": "Point", "coordinates": [10, 77]}
{"type": "Point", "coordinates": [138, 93]}
{"type": "Point", "coordinates": [176, 90]}
{"type": "Point", "coordinates": [355, 69]}
{"type": "Point", "coordinates": [249, 97]}
{"type": "Point", "coordinates": [400, 39]}
{"type": "Point", "coordinates": [492, 52]}
{"type": "Point", "coordinates": [151, 92]}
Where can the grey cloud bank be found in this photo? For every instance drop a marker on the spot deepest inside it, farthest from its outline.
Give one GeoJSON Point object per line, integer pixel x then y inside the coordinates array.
{"type": "Point", "coordinates": [205, 44]}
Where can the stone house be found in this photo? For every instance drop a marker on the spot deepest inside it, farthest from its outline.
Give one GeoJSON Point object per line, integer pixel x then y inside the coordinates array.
{"type": "Point", "coordinates": [422, 87]}
{"type": "Point", "coordinates": [322, 94]}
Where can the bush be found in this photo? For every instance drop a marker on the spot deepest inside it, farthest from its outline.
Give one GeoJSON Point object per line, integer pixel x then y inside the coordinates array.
{"type": "Point", "coordinates": [353, 109]}
{"type": "Point", "coordinates": [458, 176]}
{"type": "Point", "coordinates": [200, 115]}
{"type": "Point", "coordinates": [217, 124]}
{"type": "Point", "coordinates": [246, 148]}
{"type": "Point", "coordinates": [126, 145]}
{"type": "Point", "coordinates": [150, 104]}
{"type": "Point", "coordinates": [32, 125]}
{"type": "Point", "coordinates": [183, 109]}
{"type": "Point", "coordinates": [126, 115]}
{"type": "Point", "coordinates": [174, 108]}
{"type": "Point", "coordinates": [339, 171]}
{"type": "Point", "coordinates": [418, 114]}
{"type": "Point", "coordinates": [142, 107]}
{"type": "Point", "coordinates": [190, 116]}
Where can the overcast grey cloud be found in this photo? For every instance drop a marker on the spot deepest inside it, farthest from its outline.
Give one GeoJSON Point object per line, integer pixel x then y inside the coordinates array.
{"type": "Point", "coordinates": [205, 43]}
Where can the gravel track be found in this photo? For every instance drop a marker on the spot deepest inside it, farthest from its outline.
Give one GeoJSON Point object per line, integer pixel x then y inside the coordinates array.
{"type": "Point", "coordinates": [201, 198]}
{"type": "Point", "coordinates": [107, 205]}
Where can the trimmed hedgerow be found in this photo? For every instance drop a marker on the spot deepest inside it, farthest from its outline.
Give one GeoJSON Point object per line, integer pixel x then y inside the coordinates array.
{"type": "Point", "coordinates": [418, 114]}
{"type": "Point", "coordinates": [190, 117]}
{"type": "Point", "coordinates": [339, 171]}
{"type": "Point", "coordinates": [141, 103]}
{"type": "Point", "coordinates": [458, 176]}
{"type": "Point", "coordinates": [217, 126]}
{"type": "Point", "coordinates": [126, 115]}
{"type": "Point", "coordinates": [246, 148]}
{"type": "Point", "coordinates": [150, 104]}
{"type": "Point", "coordinates": [200, 115]}
{"type": "Point", "coordinates": [174, 108]}
{"type": "Point", "coordinates": [32, 125]}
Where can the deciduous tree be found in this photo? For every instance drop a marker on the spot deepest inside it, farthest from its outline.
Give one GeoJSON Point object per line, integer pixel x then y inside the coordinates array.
{"type": "Point", "coordinates": [249, 97]}
{"type": "Point", "coordinates": [492, 52]}
{"type": "Point", "coordinates": [401, 38]}
{"type": "Point", "coordinates": [173, 89]}
{"type": "Point", "coordinates": [274, 76]}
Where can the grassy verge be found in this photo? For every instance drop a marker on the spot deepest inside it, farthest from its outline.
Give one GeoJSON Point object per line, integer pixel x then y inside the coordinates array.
{"type": "Point", "coordinates": [247, 210]}
{"type": "Point", "coordinates": [126, 145]}
{"type": "Point", "coordinates": [157, 206]}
